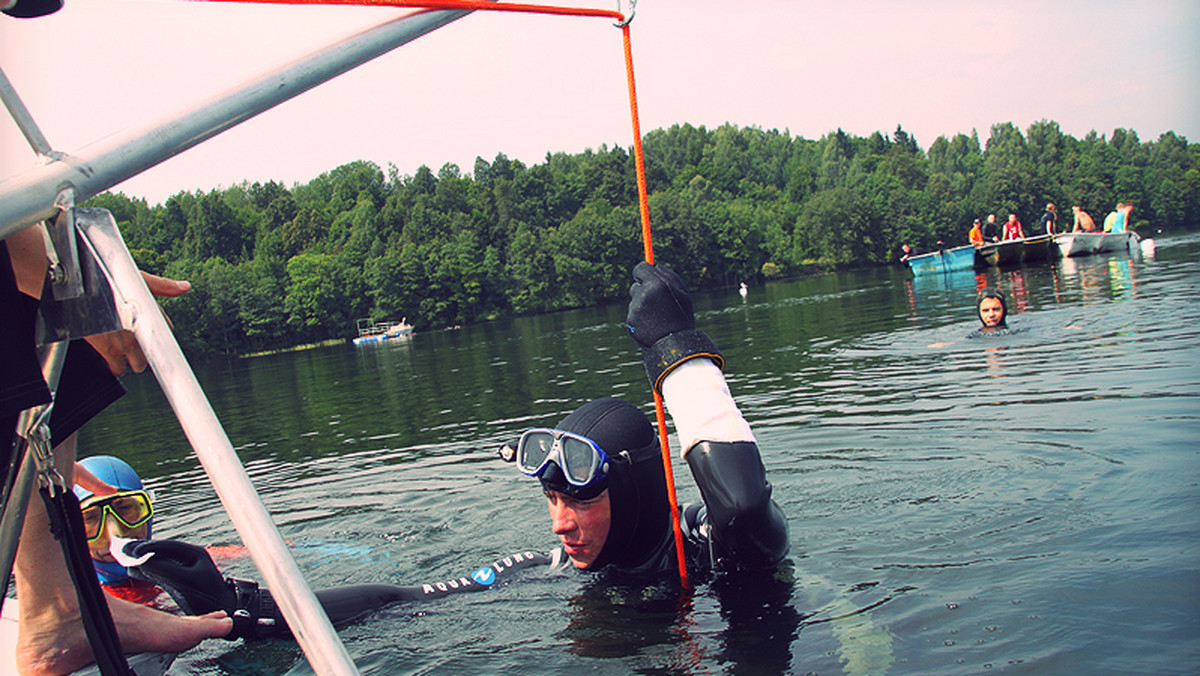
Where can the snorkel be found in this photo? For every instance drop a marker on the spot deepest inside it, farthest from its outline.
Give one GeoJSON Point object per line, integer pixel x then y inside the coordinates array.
{"type": "Point", "coordinates": [995, 294]}
{"type": "Point", "coordinates": [118, 474]}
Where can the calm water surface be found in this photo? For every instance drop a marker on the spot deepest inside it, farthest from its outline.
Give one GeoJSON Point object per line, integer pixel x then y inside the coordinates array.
{"type": "Point", "coordinates": [1026, 504]}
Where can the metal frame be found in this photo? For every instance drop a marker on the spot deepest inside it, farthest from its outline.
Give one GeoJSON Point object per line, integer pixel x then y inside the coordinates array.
{"type": "Point", "coordinates": [29, 197]}
{"type": "Point", "coordinates": [49, 190]}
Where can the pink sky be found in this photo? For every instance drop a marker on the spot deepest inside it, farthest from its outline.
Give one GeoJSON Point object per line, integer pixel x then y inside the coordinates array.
{"type": "Point", "coordinates": [524, 85]}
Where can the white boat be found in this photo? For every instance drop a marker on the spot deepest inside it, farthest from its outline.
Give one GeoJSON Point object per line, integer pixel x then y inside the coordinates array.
{"type": "Point", "coordinates": [373, 332]}
{"type": "Point", "coordinates": [1089, 243]}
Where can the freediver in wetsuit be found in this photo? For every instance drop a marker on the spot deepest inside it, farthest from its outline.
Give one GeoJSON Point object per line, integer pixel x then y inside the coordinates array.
{"type": "Point", "coordinates": [992, 309]}
{"type": "Point", "coordinates": [605, 457]}
{"type": "Point", "coordinates": [602, 474]}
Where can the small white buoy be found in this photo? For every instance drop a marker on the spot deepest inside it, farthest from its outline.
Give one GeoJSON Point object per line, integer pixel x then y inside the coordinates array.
{"type": "Point", "coordinates": [1148, 247]}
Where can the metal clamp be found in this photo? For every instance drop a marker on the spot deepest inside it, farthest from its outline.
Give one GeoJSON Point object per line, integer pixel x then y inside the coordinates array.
{"type": "Point", "coordinates": [38, 439]}
{"type": "Point", "coordinates": [628, 19]}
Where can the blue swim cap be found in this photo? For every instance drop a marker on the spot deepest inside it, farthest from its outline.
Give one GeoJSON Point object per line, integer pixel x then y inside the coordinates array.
{"type": "Point", "coordinates": [116, 473]}
{"type": "Point", "coordinates": [113, 471]}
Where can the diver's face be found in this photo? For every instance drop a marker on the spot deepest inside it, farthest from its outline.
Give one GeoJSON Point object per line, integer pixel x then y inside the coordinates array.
{"type": "Point", "coordinates": [991, 311]}
{"type": "Point", "coordinates": [98, 548]}
{"type": "Point", "coordinates": [581, 525]}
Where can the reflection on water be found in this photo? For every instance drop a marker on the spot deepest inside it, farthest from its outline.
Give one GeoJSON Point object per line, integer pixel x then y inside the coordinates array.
{"type": "Point", "coordinates": [1027, 501]}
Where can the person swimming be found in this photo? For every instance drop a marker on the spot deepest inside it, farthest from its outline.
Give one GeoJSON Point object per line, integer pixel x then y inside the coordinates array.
{"type": "Point", "coordinates": [603, 479]}
{"type": "Point", "coordinates": [127, 513]}
{"type": "Point", "coordinates": [601, 470]}
{"type": "Point", "coordinates": [992, 308]}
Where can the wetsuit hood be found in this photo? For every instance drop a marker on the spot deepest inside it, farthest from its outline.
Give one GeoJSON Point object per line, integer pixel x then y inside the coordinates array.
{"type": "Point", "coordinates": [637, 485]}
{"type": "Point", "coordinates": [116, 473]}
{"type": "Point", "coordinates": [989, 292]}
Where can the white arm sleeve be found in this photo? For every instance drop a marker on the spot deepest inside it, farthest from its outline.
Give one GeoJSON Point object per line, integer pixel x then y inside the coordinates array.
{"type": "Point", "coordinates": [698, 399]}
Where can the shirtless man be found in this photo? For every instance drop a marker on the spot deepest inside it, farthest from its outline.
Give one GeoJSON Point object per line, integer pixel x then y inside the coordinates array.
{"type": "Point", "coordinates": [1083, 221]}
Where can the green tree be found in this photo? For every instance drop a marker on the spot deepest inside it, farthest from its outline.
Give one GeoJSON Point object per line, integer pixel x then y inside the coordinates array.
{"type": "Point", "coordinates": [324, 295]}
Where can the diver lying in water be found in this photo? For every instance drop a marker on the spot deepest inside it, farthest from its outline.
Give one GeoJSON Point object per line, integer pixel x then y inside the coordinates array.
{"type": "Point", "coordinates": [602, 475]}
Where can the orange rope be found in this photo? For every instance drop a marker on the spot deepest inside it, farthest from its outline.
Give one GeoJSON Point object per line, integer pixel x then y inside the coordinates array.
{"type": "Point", "coordinates": [639, 159]}
{"type": "Point", "coordinates": [450, 4]}
{"type": "Point", "coordinates": [648, 249]}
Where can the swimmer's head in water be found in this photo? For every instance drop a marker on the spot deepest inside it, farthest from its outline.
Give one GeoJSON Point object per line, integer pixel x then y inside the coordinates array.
{"type": "Point", "coordinates": [131, 505]}
{"type": "Point", "coordinates": [992, 308]}
{"type": "Point", "coordinates": [634, 487]}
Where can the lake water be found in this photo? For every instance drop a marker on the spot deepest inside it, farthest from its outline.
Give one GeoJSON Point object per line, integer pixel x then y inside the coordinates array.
{"type": "Point", "coordinates": [1026, 504]}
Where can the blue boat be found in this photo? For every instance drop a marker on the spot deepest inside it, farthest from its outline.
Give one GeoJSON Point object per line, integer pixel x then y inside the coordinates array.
{"type": "Point", "coordinates": [944, 260]}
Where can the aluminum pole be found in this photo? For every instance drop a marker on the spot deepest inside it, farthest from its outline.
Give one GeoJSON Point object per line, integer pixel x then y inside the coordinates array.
{"type": "Point", "coordinates": [20, 115]}
{"type": "Point", "coordinates": [29, 196]}
{"type": "Point", "coordinates": [140, 312]}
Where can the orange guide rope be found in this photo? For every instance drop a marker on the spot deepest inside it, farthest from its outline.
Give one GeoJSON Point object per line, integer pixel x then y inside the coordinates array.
{"type": "Point", "coordinates": [639, 159]}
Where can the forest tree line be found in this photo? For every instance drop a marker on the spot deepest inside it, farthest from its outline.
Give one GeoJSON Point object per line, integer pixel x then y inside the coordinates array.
{"type": "Point", "coordinates": [273, 266]}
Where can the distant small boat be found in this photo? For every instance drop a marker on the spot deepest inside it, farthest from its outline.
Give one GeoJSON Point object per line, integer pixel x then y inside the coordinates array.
{"type": "Point", "coordinates": [1038, 248]}
{"type": "Point", "coordinates": [945, 260]}
{"type": "Point", "coordinates": [373, 332]}
{"type": "Point", "coordinates": [1003, 253]}
{"type": "Point", "coordinates": [1011, 252]}
{"type": "Point", "coordinates": [1088, 243]}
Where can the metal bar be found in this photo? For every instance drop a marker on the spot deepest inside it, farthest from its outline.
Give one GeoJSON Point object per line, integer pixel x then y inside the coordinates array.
{"type": "Point", "coordinates": [29, 196]}
{"type": "Point", "coordinates": [20, 115]}
{"type": "Point", "coordinates": [142, 315]}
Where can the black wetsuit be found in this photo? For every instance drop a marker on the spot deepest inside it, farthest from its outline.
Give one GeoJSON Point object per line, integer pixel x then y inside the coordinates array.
{"type": "Point", "coordinates": [739, 528]}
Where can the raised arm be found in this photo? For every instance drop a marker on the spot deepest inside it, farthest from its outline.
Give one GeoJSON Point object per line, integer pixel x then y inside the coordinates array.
{"type": "Point", "coordinates": [748, 530]}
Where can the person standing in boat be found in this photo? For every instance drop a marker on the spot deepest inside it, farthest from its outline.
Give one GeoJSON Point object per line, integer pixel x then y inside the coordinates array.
{"type": "Point", "coordinates": [991, 231]}
{"type": "Point", "coordinates": [1050, 220]}
{"type": "Point", "coordinates": [51, 636]}
{"type": "Point", "coordinates": [1083, 220]}
{"type": "Point", "coordinates": [975, 234]}
{"type": "Point", "coordinates": [1012, 229]}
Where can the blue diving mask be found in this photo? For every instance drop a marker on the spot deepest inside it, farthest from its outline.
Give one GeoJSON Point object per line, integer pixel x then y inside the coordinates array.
{"type": "Point", "coordinates": [581, 461]}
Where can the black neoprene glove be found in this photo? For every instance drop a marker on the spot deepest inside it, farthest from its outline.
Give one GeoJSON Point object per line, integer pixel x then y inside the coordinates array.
{"type": "Point", "coordinates": [662, 323]}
